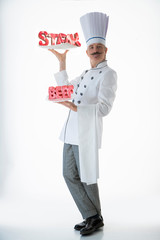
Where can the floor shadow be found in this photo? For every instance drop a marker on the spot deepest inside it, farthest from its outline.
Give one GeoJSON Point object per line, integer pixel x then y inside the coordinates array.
{"type": "Point", "coordinates": [69, 234]}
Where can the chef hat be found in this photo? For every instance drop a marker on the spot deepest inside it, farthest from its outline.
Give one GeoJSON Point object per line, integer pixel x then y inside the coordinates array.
{"type": "Point", "coordinates": [94, 26]}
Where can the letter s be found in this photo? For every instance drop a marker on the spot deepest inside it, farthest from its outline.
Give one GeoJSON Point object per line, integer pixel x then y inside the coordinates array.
{"type": "Point", "coordinates": [46, 41]}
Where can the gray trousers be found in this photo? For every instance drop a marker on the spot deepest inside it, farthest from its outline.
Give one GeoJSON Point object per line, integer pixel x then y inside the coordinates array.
{"type": "Point", "coordinates": [85, 196]}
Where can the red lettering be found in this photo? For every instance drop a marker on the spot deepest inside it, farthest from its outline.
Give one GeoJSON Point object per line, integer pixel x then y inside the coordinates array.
{"type": "Point", "coordinates": [73, 39]}
{"type": "Point", "coordinates": [60, 92]}
{"type": "Point", "coordinates": [76, 38]}
{"type": "Point", "coordinates": [52, 36]}
{"type": "Point", "coordinates": [65, 91]}
{"type": "Point", "coordinates": [46, 41]}
{"type": "Point", "coordinates": [69, 39]}
{"type": "Point", "coordinates": [52, 93]}
{"type": "Point", "coordinates": [57, 39]}
{"type": "Point", "coordinates": [70, 90]}
{"type": "Point", "coordinates": [63, 37]}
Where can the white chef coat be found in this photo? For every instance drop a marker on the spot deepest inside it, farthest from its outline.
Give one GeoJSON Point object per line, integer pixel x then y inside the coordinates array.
{"type": "Point", "coordinates": [94, 93]}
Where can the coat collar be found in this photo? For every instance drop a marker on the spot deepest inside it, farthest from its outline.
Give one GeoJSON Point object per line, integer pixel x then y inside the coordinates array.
{"type": "Point", "coordinates": [100, 65]}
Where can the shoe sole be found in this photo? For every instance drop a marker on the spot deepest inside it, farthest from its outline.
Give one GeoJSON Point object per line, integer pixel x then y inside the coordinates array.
{"type": "Point", "coordinates": [93, 230]}
{"type": "Point", "coordinates": [78, 229]}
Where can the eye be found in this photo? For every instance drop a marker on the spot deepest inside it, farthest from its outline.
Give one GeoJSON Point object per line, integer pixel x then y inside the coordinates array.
{"type": "Point", "coordinates": [91, 47]}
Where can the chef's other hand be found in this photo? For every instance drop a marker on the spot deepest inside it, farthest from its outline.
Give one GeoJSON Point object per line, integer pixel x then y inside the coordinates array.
{"type": "Point", "coordinates": [70, 105]}
{"type": "Point", "coordinates": [61, 58]}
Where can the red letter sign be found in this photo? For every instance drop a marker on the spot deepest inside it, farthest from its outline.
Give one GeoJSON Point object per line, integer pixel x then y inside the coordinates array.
{"type": "Point", "coordinates": [46, 41]}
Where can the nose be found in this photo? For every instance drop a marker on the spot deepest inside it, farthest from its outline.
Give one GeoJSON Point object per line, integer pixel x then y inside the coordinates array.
{"type": "Point", "coordinates": [95, 48]}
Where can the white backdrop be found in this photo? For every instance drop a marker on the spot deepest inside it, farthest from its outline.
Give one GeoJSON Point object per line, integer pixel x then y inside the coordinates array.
{"type": "Point", "coordinates": [31, 154]}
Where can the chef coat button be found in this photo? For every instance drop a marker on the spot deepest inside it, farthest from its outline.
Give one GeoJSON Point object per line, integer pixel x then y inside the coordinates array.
{"type": "Point", "coordinates": [77, 85]}
{"type": "Point", "coordinates": [75, 92]}
{"type": "Point", "coordinates": [73, 100]}
{"type": "Point", "coordinates": [92, 78]}
{"type": "Point", "coordinates": [81, 78]}
{"type": "Point", "coordinates": [100, 71]}
{"type": "Point", "coordinates": [81, 94]}
{"type": "Point", "coordinates": [85, 86]}
{"type": "Point", "coordinates": [79, 102]}
{"type": "Point", "coordinates": [86, 71]}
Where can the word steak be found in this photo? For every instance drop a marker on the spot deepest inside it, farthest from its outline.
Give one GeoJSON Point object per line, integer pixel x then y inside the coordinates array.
{"type": "Point", "coordinates": [56, 39]}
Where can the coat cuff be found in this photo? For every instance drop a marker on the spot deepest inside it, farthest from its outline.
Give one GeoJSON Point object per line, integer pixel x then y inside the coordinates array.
{"type": "Point", "coordinates": [61, 78]}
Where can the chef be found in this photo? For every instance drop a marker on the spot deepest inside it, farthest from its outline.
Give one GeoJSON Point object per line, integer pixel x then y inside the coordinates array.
{"type": "Point", "coordinates": [94, 94]}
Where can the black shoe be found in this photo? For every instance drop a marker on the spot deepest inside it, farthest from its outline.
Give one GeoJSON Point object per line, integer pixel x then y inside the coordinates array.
{"type": "Point", "coordinates": [79, 226]}
{"type": "Point", "coordinates": [92, 225]}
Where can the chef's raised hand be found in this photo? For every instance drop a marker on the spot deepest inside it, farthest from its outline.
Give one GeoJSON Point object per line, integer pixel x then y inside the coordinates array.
{"type": "Point", "coordinates": [61, 58]}
{"type": "Point", "coordinates": [70, 105]}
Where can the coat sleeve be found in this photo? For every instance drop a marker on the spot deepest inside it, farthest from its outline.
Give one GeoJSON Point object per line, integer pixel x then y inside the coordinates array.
{"type": "Point", "coordinates": [62, 79]}
{"type": "Point", "coordinates": [107, 93]}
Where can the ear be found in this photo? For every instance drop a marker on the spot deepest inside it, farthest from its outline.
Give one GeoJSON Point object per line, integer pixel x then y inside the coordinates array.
{"type": "Point", "coordinates": [87, 53]}
{"type": "Point", "coordinates": [106, 50]}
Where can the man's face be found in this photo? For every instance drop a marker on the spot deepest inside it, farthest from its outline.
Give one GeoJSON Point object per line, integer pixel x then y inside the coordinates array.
{"type": "Point", "coordinates": [97, 53]}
